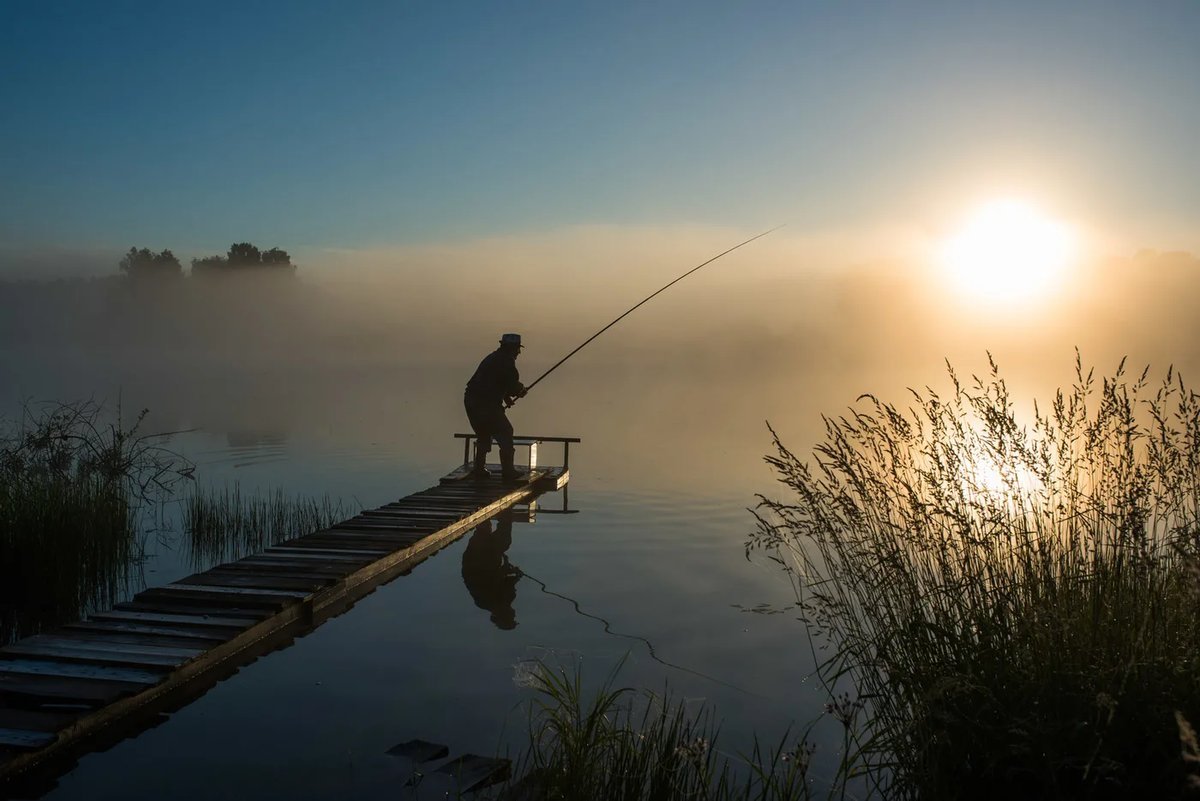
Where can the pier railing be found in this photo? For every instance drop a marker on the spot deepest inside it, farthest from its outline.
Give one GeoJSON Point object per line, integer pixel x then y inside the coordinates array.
{"type": "Point", "coordinates": [526, 441]}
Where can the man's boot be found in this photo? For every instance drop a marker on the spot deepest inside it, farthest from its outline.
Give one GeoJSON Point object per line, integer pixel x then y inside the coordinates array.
{"type": "Point", "coordinates": [480, 468]}
{"type": "Point", "coordinates": [508, 472]}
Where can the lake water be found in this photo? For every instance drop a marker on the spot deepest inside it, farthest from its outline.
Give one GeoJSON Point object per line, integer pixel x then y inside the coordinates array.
{"type": "Point", "coordinates": [655, 552]}
{"type": "Point", "coordinates": [276, 391]}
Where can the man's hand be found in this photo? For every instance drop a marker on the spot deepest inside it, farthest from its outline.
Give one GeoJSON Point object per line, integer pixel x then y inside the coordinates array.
{"type": "Point", "coordinates": [521, 390]}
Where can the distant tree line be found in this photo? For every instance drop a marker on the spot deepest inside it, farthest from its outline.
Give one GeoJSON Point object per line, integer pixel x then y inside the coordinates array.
{"type": "Point", "coordinates": [242, 258]}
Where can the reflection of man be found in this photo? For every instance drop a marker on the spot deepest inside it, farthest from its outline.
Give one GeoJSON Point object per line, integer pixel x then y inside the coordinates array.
{"type": "Point", "coordinates": [494, 383]}
{"type": "Point", "coordinates": [490, 577]}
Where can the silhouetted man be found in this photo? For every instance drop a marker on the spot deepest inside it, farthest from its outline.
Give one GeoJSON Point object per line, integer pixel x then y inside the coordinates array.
{"type": "Point", "coordinates": [490, 577]}
{"type": "Point", "coordinates": [494, 384]}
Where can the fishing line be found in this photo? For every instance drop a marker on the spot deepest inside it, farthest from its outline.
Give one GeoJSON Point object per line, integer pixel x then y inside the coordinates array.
{"type": "Point", "coordinates": [642, 301]}
{"type": "Point", "coordinates": [649, 645]}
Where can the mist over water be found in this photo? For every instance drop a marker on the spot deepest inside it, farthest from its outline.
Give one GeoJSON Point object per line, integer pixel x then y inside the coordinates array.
{"type": "Point", "coordinates": [372, 350]}
{"type": "Point", "coordinates": [349, 379]}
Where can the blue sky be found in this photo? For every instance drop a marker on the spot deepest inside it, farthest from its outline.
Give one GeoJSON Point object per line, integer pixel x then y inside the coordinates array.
{"type": "Point", "coordinates": [354, 124]}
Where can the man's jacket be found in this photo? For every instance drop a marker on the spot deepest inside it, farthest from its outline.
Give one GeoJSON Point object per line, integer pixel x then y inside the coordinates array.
{"type": "Point", "coordinates": [495, 380]}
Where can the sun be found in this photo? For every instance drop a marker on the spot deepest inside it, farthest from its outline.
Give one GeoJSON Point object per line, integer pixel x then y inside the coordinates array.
{"type": "Point", "coordinates": [1008, 251]}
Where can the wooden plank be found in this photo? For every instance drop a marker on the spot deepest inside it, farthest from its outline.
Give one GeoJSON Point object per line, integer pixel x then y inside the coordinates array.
{"type": "Point", "coordinates": [379, 534]}
{"type": "Point", "coordinates": [190, 619]}
{"type": "Point", "coordinates": [81, 634]}
{"type": "Point", "coordinates": [200, 636]}
{"type": "Point", "coordinates": [189, 606]}
{"type": "Point", "coordinates": [100, 673]}
{"type": "Point", "coordinates": [36, 719]}
{"type": "Point", "coordinates": [416, 519]}
{"type": "Point", "coordinates": [372, 527]}
{"type": "Point", "coordinates": [297, 562]}
{"type": "Point", "coordinates": [18, 738]}
{"type": "Point", "coordinates": [413, 513]}
{"type": "Point", "coordinates": [403, 522]}
{"type": "Point", "coordinates": [87, 656]}
{"type": "Point", "coordinates": [367, 526]}
{"type": "Point", "coordinates": [255, 581]}
{"type": "Point", "coordinates": [51, 644]}
{"type": "Point", "coordinates": [63, 690]}
{"type": "Point", "coordinates": [351, 544]}
{"type": "Point", "coordinates": [64, 639]}
{"type": "Point", "coordinates": [241, 593]}
{"type": "Point", "coordinates": [310, 554]}
{"type": "Point", "coordinates": [210, 598]}
{"type": "Point", "coordinates": [288, 567]}
{"type": "Point", "coordinates": [320, 551]}
{"type": "Point", "coordinates": [313, 576]}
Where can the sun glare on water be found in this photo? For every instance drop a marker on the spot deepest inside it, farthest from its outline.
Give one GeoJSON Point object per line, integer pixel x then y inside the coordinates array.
{"type": "Point", "coordinates": [1008, 251]}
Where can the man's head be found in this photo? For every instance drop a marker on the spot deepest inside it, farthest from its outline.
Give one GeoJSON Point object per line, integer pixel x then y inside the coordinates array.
{"type": "Point", "coordinates": [511, 343]}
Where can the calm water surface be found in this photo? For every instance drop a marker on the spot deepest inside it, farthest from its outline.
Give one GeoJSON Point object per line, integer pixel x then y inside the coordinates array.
{"type": "Point", "coordinates": [659, 561]}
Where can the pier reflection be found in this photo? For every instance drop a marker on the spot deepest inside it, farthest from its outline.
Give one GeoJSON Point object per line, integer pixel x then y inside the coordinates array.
{"type": "Point", "coordinates": [487, 572]}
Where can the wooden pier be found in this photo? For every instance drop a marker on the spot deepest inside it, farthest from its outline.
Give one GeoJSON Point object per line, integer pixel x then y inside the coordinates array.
{"type": "Point", "coordinates": [88, 684]}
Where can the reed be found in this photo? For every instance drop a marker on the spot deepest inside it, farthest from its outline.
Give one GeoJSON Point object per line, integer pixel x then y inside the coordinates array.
{"type": "Point", "coordinates": [223, 524]}
{"type": "Point", "coordinates": [622, 744]}
{"type": "Point", "coordinates": [1013, 606]}
{"type": "Point", "coordinates": [73, 490]}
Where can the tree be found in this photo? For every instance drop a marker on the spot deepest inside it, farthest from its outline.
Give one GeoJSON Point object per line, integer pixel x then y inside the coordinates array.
{"type": "Point", "coordinates": [244, 254]}
{"type": "Point", "coordinates": [277, 258]}
{"type": "Point", "coordinates": [209, 265]}
{"type": "Point", "coordinates": [243, 257]}
{"type": "Point", "coordinates": [144, 264]}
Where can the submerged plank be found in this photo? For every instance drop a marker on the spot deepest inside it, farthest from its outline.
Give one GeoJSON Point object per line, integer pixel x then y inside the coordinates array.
{"type": "Point", "coordinates": [419, 750]}
{"type": "Point", "coordinates": [474, 772]}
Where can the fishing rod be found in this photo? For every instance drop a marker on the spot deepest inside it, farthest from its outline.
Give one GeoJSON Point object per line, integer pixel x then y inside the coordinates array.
{"type": "Point", "coordinates": [639, 303]}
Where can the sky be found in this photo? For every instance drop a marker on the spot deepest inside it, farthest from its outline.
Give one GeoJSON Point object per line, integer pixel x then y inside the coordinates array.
{"type": "Point", "coordinates": [370, 126]}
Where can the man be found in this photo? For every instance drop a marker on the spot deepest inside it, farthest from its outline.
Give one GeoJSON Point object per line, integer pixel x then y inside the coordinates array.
{"type": "Point", "coordinates": [494, 384]}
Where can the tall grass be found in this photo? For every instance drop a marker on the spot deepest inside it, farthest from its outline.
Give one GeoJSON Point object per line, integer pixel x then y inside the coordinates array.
{"type": "Point", "coordinates": [1014, 605]}
{"type": "Point", "coordinates": [225, 524]}
{"type": "Point", "coordinates": [618, 744]}
{"type": "Point", "coordinates": [72, 490]}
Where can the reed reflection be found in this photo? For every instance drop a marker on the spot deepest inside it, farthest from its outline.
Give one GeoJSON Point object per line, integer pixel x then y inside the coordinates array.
{"type": "Point", "coordinates": [487, 572]}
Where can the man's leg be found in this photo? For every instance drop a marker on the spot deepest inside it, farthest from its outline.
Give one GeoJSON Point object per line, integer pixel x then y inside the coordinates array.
{"type": "Point", "coordinates": [502, 430]}
{"type": "Point", "coordinates": [481, 425]}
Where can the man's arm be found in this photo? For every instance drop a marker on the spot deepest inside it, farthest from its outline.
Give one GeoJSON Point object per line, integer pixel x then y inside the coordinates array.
{"type": "Point", "coordinates": [514, 388]}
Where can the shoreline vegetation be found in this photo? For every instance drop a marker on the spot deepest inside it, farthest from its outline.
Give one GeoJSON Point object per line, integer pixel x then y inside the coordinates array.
{"type": "Point", "coordinates": [81, 493]}
{"type": "Point", "coordinates": [74, 494]}
{"type": "Point", "coordinates": [1012, 607]}
{"type": "Point", "coordinates": [227, 524]}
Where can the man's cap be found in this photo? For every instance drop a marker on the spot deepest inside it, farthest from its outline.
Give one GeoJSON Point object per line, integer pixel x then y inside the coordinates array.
{"type": "Point", "coordinates": [511, 339]}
